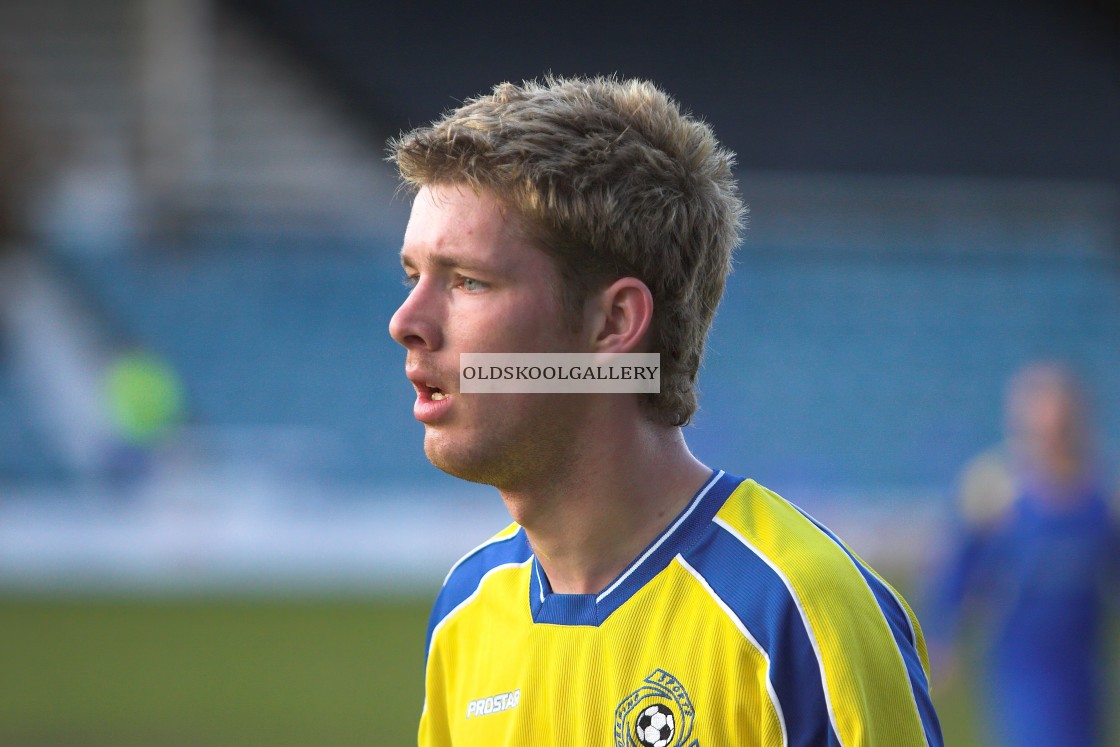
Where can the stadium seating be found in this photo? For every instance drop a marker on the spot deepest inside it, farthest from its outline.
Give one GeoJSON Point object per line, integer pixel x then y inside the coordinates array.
{"type": "Point", "coordinates": [836, 361]}
{"type": "Point", "coordinates": [887, 369]}
{"type": "Point", "coordinates": [26, 456]}
{"type": "Point", "coordinates": [876, 369]}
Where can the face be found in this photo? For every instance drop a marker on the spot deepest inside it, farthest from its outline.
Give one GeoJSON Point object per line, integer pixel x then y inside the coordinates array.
{"type": "Point", "coordinates": [477, 287]}
{"type": "Point", "coordinates": [1047, 421]}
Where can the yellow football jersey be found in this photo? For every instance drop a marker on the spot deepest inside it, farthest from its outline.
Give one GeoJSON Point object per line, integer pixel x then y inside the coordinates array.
{"type": "Point", "coordinates": [744, 623]}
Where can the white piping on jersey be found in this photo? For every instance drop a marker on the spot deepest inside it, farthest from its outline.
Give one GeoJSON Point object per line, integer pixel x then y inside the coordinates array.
{"type": "Point", "coordinates": [540, 581]}
{"type": "Point", "coordinates": [746, 634]}
{"type": "Point", "coordinates": [469, 599]}
{"type": "Point", "coordinates": [901, 659]}
{"type": "Point", "coordinates": [471, 554]}
{"type": "Point", "coordinates": [905, 614]}
{"type": "Point", "coordinates": [680, 520]}
{"type": "Point", "coordinates": [801, 611]}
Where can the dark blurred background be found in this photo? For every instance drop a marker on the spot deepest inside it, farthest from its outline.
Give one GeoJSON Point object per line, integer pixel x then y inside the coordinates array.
{"type": "Point", "coordinates": [198, 238]}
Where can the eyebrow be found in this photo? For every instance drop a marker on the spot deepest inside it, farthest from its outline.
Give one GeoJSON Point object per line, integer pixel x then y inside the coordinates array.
{"type": "Point", "coordinates": [443, 261]}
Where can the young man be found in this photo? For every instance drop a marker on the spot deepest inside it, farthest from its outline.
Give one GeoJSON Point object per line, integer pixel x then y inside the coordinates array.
{"type": "Point", "coordinates": [640, 598]}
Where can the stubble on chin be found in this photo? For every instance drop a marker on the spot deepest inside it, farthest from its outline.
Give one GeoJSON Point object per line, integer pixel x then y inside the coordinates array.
{"type": "Point", "coordinates": [507, 461]}
{"type": "Point", "coordinates": [466, 460]}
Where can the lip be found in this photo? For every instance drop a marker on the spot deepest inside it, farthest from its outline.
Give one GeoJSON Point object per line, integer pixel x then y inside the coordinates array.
{"type": "Point", "coordinates": [426, 409]}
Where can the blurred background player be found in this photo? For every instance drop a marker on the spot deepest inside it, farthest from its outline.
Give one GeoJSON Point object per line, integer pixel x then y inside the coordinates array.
{"type": "Point", "coordinates": [1037, 542]}
{"type": "Point", "coordinates": [145, 399]}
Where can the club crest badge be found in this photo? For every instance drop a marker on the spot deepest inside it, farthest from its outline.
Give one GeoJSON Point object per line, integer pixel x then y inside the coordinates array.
{"type": "Point", "coordinates": [657, 714]}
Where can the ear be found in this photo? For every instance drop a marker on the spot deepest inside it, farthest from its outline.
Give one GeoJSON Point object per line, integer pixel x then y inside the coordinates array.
{"type": "Point", "coordinates": [622, 314]}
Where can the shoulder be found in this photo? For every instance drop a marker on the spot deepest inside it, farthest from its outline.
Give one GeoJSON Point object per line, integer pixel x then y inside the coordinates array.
{"type": "Point", "coordinates": [834, 632]}
{"type": "Point", "coordinates": [986, 488]}
{"type": "Point", "coordinates": [757, 525]}
{"type": "Point", "coordinates": [508, 545]}
{"type": "Point", "coordinates": [786, 555]}
{"type": "Point", "coordinates": [508, 548]}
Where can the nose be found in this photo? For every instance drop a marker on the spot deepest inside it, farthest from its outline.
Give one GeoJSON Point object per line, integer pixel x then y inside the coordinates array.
{"type": "Point", "coordinates": [416, 323]}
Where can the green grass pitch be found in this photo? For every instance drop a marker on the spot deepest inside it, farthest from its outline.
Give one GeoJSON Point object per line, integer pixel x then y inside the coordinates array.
{"type": "Point", "coordinates": [174, 672]}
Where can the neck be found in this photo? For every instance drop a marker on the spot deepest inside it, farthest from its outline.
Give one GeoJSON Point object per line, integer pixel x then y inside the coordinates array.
{"type": "Point", "coordinates": [589, 523]}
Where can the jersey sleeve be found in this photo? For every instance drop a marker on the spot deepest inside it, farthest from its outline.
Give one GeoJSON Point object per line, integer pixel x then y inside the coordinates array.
{"type": "Point", "coordinates": [848, 659]}
{"type": "Point", "coordinates": [508, 547]}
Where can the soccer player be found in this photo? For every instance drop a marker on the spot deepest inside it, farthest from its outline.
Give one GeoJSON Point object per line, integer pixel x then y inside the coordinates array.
{"type": "Point", "coordinates": [1038, 551]}
{"type": "Point", "coordinates": [640, 598]}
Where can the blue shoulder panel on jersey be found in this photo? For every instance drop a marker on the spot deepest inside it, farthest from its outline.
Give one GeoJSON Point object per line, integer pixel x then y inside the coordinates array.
{"type": "Point", "coordinates": [760, 599]}
{"type": "Point", "coordinates": [465, 577]}
{"type": "Point", "coordinates": [904, 638]}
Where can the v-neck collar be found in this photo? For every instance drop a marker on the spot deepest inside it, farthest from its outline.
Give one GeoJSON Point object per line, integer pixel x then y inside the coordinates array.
{"type": "Point", "coordinates": [551, 608]}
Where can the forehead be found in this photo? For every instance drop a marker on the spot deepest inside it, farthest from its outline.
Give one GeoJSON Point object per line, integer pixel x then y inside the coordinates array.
{"type": "Point", "coordinates": [456, 223]}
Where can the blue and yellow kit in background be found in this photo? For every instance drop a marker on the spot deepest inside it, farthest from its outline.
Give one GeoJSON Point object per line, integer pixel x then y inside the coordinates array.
{"type": "Point", "coordinates": [744, 623]}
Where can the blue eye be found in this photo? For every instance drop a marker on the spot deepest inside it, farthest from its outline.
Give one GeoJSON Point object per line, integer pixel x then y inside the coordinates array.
{"type": "Point", "coordinates": [410, 281]}
{"type": "Point", "coordinates": [470, 284]}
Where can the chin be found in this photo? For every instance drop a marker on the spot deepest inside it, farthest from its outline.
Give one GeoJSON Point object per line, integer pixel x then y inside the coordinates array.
{"type": "Point", "coordinates": [507, 454]}
{"type": "Point", "coordinates": [458, 461]}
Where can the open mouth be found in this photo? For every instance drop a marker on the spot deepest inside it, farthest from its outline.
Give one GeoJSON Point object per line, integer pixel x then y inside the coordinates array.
{"type": "Point", "coordinates": [432, 402]}
{"type": "Point", "coordinates": [433, 393]}
{"type": "Point", "coordinates": [430, 398]}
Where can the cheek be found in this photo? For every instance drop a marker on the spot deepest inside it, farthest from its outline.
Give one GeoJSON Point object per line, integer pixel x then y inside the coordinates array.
{"type": "Point", "coordinates": [510, 326]}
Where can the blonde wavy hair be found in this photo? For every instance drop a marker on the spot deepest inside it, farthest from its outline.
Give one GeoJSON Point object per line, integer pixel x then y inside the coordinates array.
{"type": "Point", "coordinates": [611, 179]}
